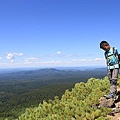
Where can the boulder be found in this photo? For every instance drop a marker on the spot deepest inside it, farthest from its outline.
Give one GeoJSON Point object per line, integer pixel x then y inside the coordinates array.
{"type": "Point", "coordinates": [108, 103]}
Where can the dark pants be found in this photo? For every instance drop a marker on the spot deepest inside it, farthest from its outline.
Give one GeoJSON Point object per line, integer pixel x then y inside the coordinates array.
{"type": "Point", "coordinates": [113, 77]}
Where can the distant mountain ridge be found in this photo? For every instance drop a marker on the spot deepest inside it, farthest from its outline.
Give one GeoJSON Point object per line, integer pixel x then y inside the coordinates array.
{"type": "Point", "coordinates": [52, 74]}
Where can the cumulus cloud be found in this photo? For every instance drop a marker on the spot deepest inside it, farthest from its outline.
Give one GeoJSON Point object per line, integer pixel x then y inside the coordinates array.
{"type": "Point", "coordinates": [0, 58]}
{"type": "Point", "coordinates": [11, 56]}
{"type": "Point", "coordinates": [59, 52]}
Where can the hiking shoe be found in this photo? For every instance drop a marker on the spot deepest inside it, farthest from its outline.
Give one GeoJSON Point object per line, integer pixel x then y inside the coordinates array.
{"type": "Point", "coordinates": [110, 96]}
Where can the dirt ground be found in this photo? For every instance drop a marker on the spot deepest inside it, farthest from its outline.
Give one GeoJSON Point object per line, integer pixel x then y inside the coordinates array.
{"type": "Point", "coordinates": [116, 117]}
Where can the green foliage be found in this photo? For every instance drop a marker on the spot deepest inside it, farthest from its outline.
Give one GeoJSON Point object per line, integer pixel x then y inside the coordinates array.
{"type": "Point", "coordinates": [78, 104]}
{"type": "Point", "coordinates": [118, 80]}
{"type": "Point", "coordinates": [16, 105]}
{"type": "Point", "coordinates": [22, 89]}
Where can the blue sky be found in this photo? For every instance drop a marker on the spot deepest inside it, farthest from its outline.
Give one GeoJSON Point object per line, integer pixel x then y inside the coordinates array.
{"type": "Point", "coordinates": [48, 33]}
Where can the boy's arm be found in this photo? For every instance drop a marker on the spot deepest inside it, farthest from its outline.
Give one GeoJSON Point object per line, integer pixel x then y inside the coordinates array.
{"type": "Point", "coordinates": [106, 62]}
{"type": "Point", "coordinates": [105, 54]}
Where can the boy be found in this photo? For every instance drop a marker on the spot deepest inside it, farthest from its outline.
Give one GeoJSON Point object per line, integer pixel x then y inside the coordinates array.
{"type": "Point", "coordinates": [112, 59]}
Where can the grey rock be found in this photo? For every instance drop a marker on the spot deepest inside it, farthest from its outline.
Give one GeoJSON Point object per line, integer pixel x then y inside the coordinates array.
{"type": "Point", "coordinates": [108, 103]}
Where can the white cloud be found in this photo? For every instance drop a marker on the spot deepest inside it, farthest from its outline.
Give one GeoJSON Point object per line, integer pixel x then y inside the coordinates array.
{"type": "Point", "coordinates": [83, 60]}
{"type": "Point", "coordinates": [50, 62]}
{"type": "Point", "coordinates": [56, 59]}
{"type": "Point", "coordinates": [79, 62]}
{"type": "Point", "coordinates": [18, 54]}
{"type": "Point", "coordinates": [0, 58]}
{"type": "Point", "coordinates": [99, 59]}
{"type": "Point", "coordinates": [27, 62]}
{"type": "Point", "coordinates": [59, 52]}
{"type": "Point", "coordinates": [12, 60]}
{"type": "Point", "coordinates": [88, 60]}
{"type": "Point", "coordinates": [55, 54]}
{"type": "Point", "coordinates": [31, 58]}
{"type": "Point", "coordinates": [11, 56]}
{"type": "Point", "coordinates": [68, 56]}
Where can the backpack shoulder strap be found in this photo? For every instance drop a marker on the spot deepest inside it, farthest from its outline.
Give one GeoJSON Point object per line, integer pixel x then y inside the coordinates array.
{"type": "Point", "coordinates": [116, 55]}
{"type": "Point", "coordinates": [114, 51]}
{"type": "Point", "coordinates": [106, 54]}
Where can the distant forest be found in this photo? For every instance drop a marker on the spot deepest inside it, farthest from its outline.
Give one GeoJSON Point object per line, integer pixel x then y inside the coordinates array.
{"type": "Point", "coordinates": [27, 88]}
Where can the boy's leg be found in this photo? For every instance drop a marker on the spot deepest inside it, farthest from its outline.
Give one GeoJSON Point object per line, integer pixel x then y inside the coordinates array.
{"type": "Point", "coordinates": [113, 81]}
{"type": "Point", "coordinates": [109, 73]}
{"type": "Point", "coordinates": [113, 76]}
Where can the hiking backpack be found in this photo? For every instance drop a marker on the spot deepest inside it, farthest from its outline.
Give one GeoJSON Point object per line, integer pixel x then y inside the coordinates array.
{"type": "Point", "coordinates": [116, 56]}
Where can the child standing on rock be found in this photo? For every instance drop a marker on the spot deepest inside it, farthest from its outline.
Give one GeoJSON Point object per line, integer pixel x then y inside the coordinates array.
{"type": "Point", "coordinates": [112, 60]}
